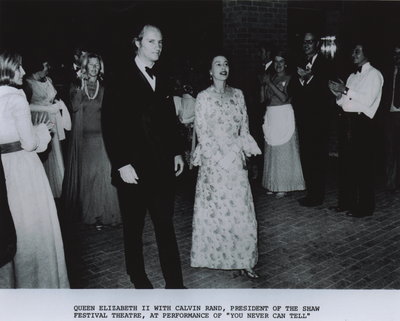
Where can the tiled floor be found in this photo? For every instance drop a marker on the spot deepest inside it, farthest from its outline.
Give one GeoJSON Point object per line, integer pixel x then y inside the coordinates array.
{"type": "Point", "coordinates": [298, 247]}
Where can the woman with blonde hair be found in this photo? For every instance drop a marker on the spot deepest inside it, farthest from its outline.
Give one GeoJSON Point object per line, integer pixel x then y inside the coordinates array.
{"type": "Point", "coordinates": [39, 261]}
{"type": "Point", "coordinates": [88, 191]}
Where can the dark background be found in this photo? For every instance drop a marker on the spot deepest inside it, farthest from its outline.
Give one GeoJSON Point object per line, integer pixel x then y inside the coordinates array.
{"type": "Point", "coordinates": [55, 28]}
{"type": "Point", "coordinates": [190, 28]}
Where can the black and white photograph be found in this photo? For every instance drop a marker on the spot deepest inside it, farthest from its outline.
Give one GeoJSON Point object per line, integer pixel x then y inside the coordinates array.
{"type": "Point", "coordinates": [200, 159]}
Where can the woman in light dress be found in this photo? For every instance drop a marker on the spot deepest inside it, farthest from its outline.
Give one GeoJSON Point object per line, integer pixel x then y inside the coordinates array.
{"type": "Point", "coordinates": [224, 222]}
{"type": "Point", "coordinates": [282, 167]}
{"type": "Point", "coordinates": [39, 261]}
{"type": "Point", "coordinates": [43, 100]}
{"type": "Point", "coordinates": [87, 185]}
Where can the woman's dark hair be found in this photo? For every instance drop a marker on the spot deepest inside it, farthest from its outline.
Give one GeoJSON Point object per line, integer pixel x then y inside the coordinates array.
{"type": "Point", "coordinates": [34, 63]}
{"type": "Point", "coordinates": [285, 55]}
{"type": "Point", "coordinates": [217, 53]}
{"type": "Point", "coordinates": [9, 64]}
{"type": "Point", "coordinates": [280, 53]}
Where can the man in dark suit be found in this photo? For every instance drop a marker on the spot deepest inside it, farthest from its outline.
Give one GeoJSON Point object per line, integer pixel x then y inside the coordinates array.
{"type": "Point", "coordinates": [311, 105]}
{"type": "Point", "coordinates": [390, 105]}
{"type": "Point", "coordinates": [144, 147]}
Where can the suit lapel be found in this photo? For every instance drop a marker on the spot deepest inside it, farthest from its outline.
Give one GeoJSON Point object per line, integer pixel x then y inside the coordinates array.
{"type": "Point", "coordinates": [316, 63]}
{"type": "Point", "coordinates": [142, 77]}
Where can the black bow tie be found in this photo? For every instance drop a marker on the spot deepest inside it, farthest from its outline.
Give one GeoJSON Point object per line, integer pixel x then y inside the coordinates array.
{"type": "Point", "coordinates": [358, 69]}
{"type": "Point", "coordinates": [150, 72]}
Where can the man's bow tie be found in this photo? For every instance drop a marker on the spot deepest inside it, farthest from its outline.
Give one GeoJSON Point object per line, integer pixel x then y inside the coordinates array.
{"type": "Point", "coordinates": [150, 72]}
{"type": "Point", "coordinates": [358, 70]}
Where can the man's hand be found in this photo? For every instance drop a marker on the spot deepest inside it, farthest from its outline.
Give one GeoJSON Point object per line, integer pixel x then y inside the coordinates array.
{"type": "Point", "coordinates": [305, 74]}
{"type": "Point", "coordinates": [267, 79]}
{"type": "Point", "coordinates": [178, 165]}
{"type": "Point", "coordinates": [337, 88]}
{"type": "Point", "coordinates": [128, 174]}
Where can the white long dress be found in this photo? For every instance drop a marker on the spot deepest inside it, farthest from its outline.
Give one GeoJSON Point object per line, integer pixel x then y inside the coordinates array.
{"type": "Point", "coordinates": [224, 221]}
{"type": "Point", "coordinates": [39, 261]}
{"type": "Point", "coordinates": [42, 100]}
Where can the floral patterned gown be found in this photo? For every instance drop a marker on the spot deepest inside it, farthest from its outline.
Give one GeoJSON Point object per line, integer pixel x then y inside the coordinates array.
{"type": "Point", "coordinates": [224, 222]}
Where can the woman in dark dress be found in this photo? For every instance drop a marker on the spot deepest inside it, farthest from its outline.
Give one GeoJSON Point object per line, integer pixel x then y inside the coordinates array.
{"type": "Point", "coordinates": [87, 185]}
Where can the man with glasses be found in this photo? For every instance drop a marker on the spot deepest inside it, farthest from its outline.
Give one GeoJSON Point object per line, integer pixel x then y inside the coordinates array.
{"type": "Point", "coordinates": [311, 105]}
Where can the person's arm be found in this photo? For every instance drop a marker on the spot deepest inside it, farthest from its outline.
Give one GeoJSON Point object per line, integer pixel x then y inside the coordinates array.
{"type": "Point", "coordinates": [76, 94]}
{"type": "Point", "coordinates": [201, 126]}
{"type": "Point", "coordinates": [361, 99]}
{"type": "Point", "coordinates": [117, 124]}
{"type": "Point", "coordinates": [207, 147]}
{"type": "Point", "coordinates": [263, 90]}
{"type": "Point", "coordinates": [281, 94]}
{"type": "Point", "coordinates": [178, 144]}
{"type": "Point", "coordinates": [364, 98]}
{"type": "Point", "coordinates": [32, 138]}
{"type": "Point", "coordinates": [335, 89]}
{"type": "Point", "coordinates": [65, 116]}
{"type": "Point", "coordinates": [248, 144]}
{"type": "Point", "coordinates": [27, 88]}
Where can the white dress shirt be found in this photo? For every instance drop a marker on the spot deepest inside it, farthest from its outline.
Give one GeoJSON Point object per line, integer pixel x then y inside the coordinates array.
{"type": "Point", "coordinates": [311, 63]}
{"type": "Point", "coordinates": [365, 91]}
{"type": "Point", "coordinates": [142, 67]}
{"type": "Point", "coordinates": [309, 67]}
{"type": "Point", "coordinates": [267, 65]}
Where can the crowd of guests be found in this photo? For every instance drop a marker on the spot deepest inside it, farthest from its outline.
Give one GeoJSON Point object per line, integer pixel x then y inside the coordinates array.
{"type": "Point", "coordinates": [111, 152]}
{"type": "Point", "coordinates": [300, 107]}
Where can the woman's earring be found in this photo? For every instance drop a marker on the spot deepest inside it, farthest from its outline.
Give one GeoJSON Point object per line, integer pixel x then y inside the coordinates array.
{"type": "Point", "coordinates": [210, 76]}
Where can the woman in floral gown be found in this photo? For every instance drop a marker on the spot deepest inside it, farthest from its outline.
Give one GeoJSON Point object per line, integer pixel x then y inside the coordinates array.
{"type": "Point", "coordinates": [224, 223]}
{"type": "Point", "coordinates": [39, 261]}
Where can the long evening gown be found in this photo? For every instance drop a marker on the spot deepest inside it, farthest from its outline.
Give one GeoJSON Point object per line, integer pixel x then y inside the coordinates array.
{"type": "Point", "coordinates": [282, 166]}
{"type": "Point", "coordinates": [88, 187]}
{"type": "Point", "coordinates": [39, 261]}
{"type": "Point", "coordinates": [224, 221]}
{"type": "Point", "coordinates": [43, 100]}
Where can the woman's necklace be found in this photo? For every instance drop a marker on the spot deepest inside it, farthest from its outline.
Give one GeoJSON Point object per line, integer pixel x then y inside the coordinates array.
{"type": "Point", "coordinates": [95, 93]}
{"type": "Point", "coordinates": [220, 92]}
